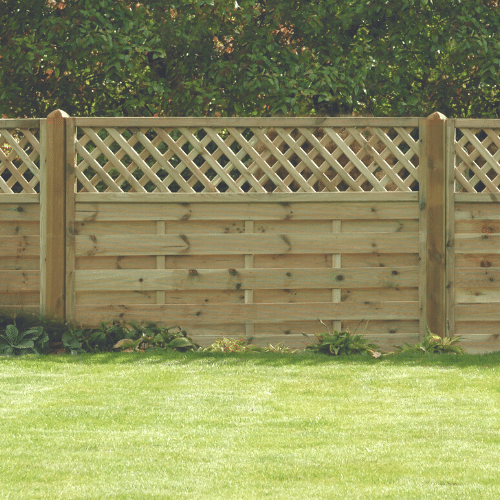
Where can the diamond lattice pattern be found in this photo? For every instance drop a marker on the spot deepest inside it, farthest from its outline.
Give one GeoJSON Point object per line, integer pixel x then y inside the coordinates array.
{"type": "Point", "coordinates": [19, 161]}
{"type": "Point", "coordinates": [240, 160]}
{"type": "Point", "coordinates": [477, 160]}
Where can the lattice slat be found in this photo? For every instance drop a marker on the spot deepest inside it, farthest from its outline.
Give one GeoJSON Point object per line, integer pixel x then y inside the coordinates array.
{"type": "Point", "coordinates": [477, 166]}
{"type": "Point", "coordinates": [19, 155]}
{"type": "Point", "coordinates": [251, 159]}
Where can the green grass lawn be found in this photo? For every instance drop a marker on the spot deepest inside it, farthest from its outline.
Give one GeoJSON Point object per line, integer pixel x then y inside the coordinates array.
{"type": "Point", "coordinates": [222, 426]}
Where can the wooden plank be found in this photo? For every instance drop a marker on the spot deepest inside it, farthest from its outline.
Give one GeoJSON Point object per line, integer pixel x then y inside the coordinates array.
{"type": "Point", "coordinates": [380, 226]}
{"type": "Point", "coordinates": [477, 277]}
{"type": "Point", "coordinates": [477, 295]}
{"type": "Point", "coordinates": [478, 312]}
{"type": "Point", "coordinates": [476, 260]}
{"type": "Point", "coordinates": [477, 243]}
{"type": "Point", "coordinates": [53, 214]}
{"type": "Point", "coordinates": [380, 260]}
{"type": "Point", "coordinates": [484, 210]}
{"type": "Point", "coordinates": [354, 295]}
{"type": "Point", "coordinates": [173, 227]}
{"type": "Point", "coordinates": [217, 313]}
{"type": "Point", "coordinates": [18, 199]}
{"type": "Point", "coordinates": [379, 327]}
{"type": "Point", "coordinates": [149, 297]}
{"type": "Point", "coordinates": [245, 211]}
{"type": "Point", "coordinates": [28, 263]}
{"type": "Point", "coordinates": [292, 296]}
{"type": "Point", "coordinates": [324, 226]}
{"type": "Point", "coordinates": [13, 123]}
{"type": "Point", "coordinates": [20, 228]}
{"type": "Point", "coordinates": [19, 246]}
{"type": "Point", "coordinates": [464, 198]}
{"type": "Point", "coordinates": [436, 189]}
{"type": "Point", "coordinates": [294, 261]}
{"type": "Point", "coordinates": [479, 328]}
{"type": "Point", "coordinates": [449, 230]}
{"type": "Point", "coordinates": [480, 344]}
{"type": "Point", "coordinates": [24, 300]}
{"type": "Point", "coordinates": [218, 123]}
{"type": "Point", "coordinates": [29, 212]}
{"type": "Point", "coordinates": [244, 279]}
{"type": "Point", "coordinates": [19, 281]}
{"type": "Point", "coordinates": [477, 123]}
{"type": "Point", "coordinates": [69, 192]}
{"type": "Point", "coordinates": [341, 197]}
{"type": "Point", "coordinates": [423, 224]}
{"type": "Point", "coordinates": [477, 226]}
{"type": "Point", "coordinates": [206, 244]}
{"type": "Point", "coordinates": [116, 262]}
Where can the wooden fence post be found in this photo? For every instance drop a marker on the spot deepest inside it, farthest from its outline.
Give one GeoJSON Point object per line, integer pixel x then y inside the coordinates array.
{"type": "Point", "coordinates": [438, 203]}
{"type": "Point", "coordinates": [53, 218]}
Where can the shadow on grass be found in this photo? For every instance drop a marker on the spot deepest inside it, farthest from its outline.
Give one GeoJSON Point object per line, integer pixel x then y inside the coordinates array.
{"type": "Point", "coordinates": [267, 359]}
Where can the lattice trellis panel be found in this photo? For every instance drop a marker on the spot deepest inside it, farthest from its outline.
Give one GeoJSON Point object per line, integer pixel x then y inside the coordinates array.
{"type": "Point", "coordinates": [19, 160]}
{"type": "Point", "coordinates": [251, 159]}
{"type": "Point", "coordinates": [477, 166]}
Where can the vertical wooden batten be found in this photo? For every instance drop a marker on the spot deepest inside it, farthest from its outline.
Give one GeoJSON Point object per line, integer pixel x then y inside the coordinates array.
{"type": "Point", "coordinates": [53, 217]}
{"type": "Point", "coordinates": [450, 226]}
{"type": "Point", "coordinates": [69, 194]}
{"type": "Point", "coordinates": [435, 164]}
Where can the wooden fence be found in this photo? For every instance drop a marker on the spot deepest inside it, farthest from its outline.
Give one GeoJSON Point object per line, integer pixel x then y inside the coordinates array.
{"type": "Point", "coordinates": [256, 227]}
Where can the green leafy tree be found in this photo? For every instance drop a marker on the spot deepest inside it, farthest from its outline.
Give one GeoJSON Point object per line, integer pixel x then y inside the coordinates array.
{"type": "Point", "coordinates": [249, 57]}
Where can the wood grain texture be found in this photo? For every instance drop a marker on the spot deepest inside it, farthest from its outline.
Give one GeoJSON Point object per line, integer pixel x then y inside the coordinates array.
{"type": "Point", "coordinates": [14, 281]}
{"type": "Point", "coordinates": [245, 211]}
{"type": "Point", "coordinates": [245, 279]}
{"type": "Point", "coordinates": [214, 314]}
{"type": "Point", "coordinates": [19, 246]}
{"type": "Point", "coordinates": [195, 244]}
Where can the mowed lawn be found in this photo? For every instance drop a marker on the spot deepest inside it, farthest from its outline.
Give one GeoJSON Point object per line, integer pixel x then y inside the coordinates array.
{"type": "Point", "coordinates": [225, 426]}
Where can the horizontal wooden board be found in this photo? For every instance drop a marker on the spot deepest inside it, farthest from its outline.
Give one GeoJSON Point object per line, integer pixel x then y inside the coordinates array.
{"type": "Point", "coordinates": [245, 211]}
{"type": "Point", "coordinates": [172, 262]}
{"type": "Point", "coordinates": [292, 296]}
{"type": "Point", "coordinates": [477, 295]}
{"type": "Point", "coordinates": [474, 243]}
{"type": "Point", "coordinates": [380, 259]}
{"type": "Point", "coordinates": [476, 260]}
{"type": "Point", "coordinates": [24, 308]}
{"type": "Point", "coordinates": [220, 123]}
{"type": "Point", "coordinates": [245, 279]}
{"type": "Point", "coordinates": [19, 246]}
{"type": "Point", "coordinates": [480, 344]}
{"type": "Point", "coordinates": [477, 277]}
{"type": "Point", "coordinates": [28, 263]}
{"type": "Point", "coordinates": [375, 327]}
{"type": "Point", "coordinates": [171, 297]}
{"type": "Point", "coordinates": [19, 211]}
{"type": "Point", "coordinates": [382, 294]}
{"type": "Point", "coordinates": [195, 244]}
{"type": "Point", "coordinates": [485, 328]}
{"type": "Point", "coordinates": [477, 226]}
{"type": "Point", "coordinates": [22, 228]}
{"type": "Point", "coordinates": [171, 227]}
{"type": "Point", "coordinates": [211, 313]}
{"type": "Point", "coordinates": [17, 281]}
{"type": "Point", "coordinates": [293, 261]}
{"type": "Point", "coordinates": [478, 312]}
{"type": "Point", "coordinates": [116, 262]}
{"type": "Point", "coordinates": [24, 298]}
{"type": "Point", "coordinates": [481, 211]}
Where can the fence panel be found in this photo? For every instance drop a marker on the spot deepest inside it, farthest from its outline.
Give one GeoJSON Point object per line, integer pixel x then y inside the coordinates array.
{"type": "Point", "coordinates": [477, 233]}
{"type": "Point", "coordinates": [20, 159]}
{"type": "Point", "coordinates": [255, 227]}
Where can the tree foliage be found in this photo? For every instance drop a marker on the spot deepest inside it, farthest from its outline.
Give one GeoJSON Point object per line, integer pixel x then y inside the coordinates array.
{"type": "Point", "coordinates": [250, 57]}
